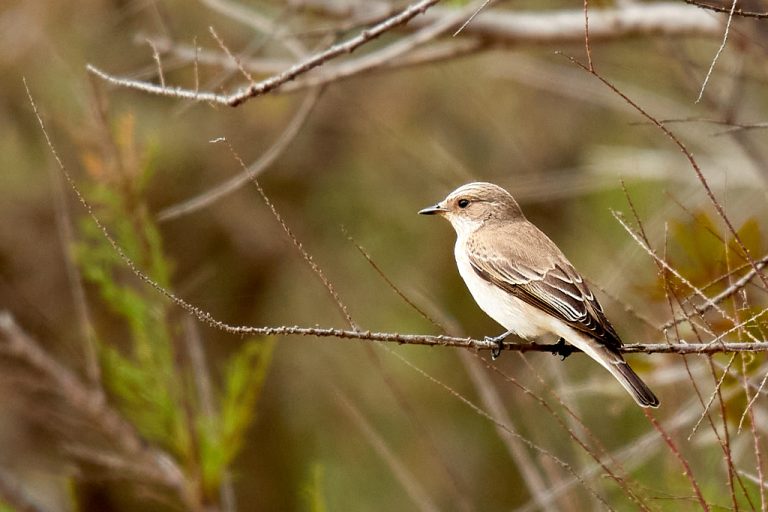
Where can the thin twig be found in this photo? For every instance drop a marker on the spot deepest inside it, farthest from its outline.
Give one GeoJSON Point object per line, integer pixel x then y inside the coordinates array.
{"type": "Point", "coordinates": [602, 462]}
{"type": "Point", "coordinates": [264, 161]}
{"type": "Point", "coordinates": [391, 284]}
{"type": "Point", "coordinates": [399, 469]}
{"type": "Point", "coordinates": [156, 57]}
{"type": "Point", "coordinates": [691, 160]}
{"type": "Point", "coordinates": [373, 62]}
{"type": "Point", "coordinates": [644, 245]}
{"type": "Point", "coordinates": [456, 487]}
{"type": "Point", "coordinates": [728, 292]}
{"type": "Point", "coordinates": [755, 440]}
{"type": "Point", "coordinates": [79, 299]}
{"type": "Point", "coordinates": [502, 426]}
{"type": "Point", "coordinates": [720, 8]}
{"type": "Point", "coordinates": [518, 452]}
{"type": "Point", "coordinates": [587, 46]}
{"type": "Point", "coordinates": [232, 57]}
{"type": "Point", "coordinates": [673, 448]}
{"type": "Point", "coordinates": [474, 14]}
{"type": "Point", "coordinates": [717, 54]}
{"type": "Point", "coordinates": [297, 244]}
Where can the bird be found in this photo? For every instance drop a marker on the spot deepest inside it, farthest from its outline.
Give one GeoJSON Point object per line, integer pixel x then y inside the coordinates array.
{"type": "Point", "coordinates": [521, 279]}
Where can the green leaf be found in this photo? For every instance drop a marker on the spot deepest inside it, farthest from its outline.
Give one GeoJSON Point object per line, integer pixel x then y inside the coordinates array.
{"type": "Point", "coordinates": [221, 438]}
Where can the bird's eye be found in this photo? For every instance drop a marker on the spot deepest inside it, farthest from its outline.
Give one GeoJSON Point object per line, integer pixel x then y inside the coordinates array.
{"type": "Point", "coordinates": [463, 203]}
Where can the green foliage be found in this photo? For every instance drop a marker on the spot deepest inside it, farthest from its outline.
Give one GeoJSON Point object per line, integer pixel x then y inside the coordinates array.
{"type": "Point", "coordinates": [222, 435]}
{"type": "Point", "coordinates": [4, 507]}
{"type": "Point", "coordinates": [147, 377]}
{"type": "Point", "coordinates": [145, 383]}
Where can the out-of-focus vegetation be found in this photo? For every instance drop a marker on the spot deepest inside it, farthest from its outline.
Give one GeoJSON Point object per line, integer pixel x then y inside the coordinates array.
{"type": "Point", "coordinates": [290, 423]}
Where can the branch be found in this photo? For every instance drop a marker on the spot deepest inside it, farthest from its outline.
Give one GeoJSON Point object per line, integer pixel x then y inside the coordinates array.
{"type": "Point", "coordinates": [728, 292]}
{"type": "Point", "coordinates": [715, 346]}
{"type": "Point", "coordinates": [475, 344]}
{"type": "Point", "coordinates": [265, 86]}
{"type": "Point", "coordinates": [505, 26]}
{"type": "Point", "coordinates": [494, 27]}
{"type": "Point", "coordinates": [720, 8]}
{"type": "Point", "coordinates": [234, 183]}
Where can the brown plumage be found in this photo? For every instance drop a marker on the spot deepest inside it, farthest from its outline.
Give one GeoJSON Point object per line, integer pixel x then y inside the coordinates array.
{"type": "Point", "coordinates": [523, 281]}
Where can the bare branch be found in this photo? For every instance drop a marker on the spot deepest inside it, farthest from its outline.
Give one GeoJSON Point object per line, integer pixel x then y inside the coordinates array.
{"type": "Point", "coordinates": [265, 86]}
{"type": "Point", "coordinates": [718, 53]}
{"type": "Point", "coordinates": [720, 8]}
{"type": "Point", "coordinates": [308, 259]}
{"type": "Point", "coordinates": [498, 27]}
{"type": "Point", "coordinates": [731, 290]}
{"type": "Point", "coordinates": [221, 190]}
{"type": "Point", "coordinates": [676, 452]}
{"type": "Point", "coordinates": [415, 339]}
{"type": "Point", "coordinates": [691, 160]}
{"type": "Point", "coordinates": [504, 26]}
{"type": "Point", "coordinates": [472, 17]}
{"type": "Point", "coordinates": [158, 63]}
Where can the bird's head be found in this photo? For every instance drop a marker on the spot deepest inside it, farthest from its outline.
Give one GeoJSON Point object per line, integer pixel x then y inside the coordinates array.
{"type": "Point", "coordinates": [471, 205]}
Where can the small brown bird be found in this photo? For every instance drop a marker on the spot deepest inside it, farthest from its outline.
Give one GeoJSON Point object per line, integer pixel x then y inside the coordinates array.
{"type": "Point", "coordinates": [519, 277]}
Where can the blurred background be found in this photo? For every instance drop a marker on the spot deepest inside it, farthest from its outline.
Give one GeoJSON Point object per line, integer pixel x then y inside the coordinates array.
{"type": "Point", "coordinates": [300, 423]}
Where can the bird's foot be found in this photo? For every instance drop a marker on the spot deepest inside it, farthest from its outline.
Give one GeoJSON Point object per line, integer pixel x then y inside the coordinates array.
{"type": "Point", "coordinates": [563, 349]}
{"type": "Point", "coordinates": [499, 341]}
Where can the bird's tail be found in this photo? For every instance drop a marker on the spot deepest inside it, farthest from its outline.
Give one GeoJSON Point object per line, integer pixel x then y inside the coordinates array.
{"type": "Point", "coordinates": [615, 363]}
{"type": "Point", "coordinates": [633, 384]}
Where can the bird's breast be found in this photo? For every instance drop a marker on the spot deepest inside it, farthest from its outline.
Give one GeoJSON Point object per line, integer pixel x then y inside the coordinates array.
{"type": "Point", "coordinates": [506, 309]}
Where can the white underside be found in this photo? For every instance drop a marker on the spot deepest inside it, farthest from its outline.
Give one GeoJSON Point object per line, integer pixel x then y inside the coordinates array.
{"type": "Point", "coordinates": [520, 317]}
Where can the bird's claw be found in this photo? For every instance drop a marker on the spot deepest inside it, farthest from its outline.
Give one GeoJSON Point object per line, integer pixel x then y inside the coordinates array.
{"type": "Point", "coordinates": [499, 341]}
{"type": "Point", "coordinates": [561, 348]}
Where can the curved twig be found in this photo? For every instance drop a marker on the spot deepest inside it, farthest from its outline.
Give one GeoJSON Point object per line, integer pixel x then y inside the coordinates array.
{"type": "Point", "coordinates": [264, 161]}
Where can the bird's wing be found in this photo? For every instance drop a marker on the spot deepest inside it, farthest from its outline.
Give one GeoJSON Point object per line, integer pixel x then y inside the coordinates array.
{"type": "Point", "coordinates": [537, 273]}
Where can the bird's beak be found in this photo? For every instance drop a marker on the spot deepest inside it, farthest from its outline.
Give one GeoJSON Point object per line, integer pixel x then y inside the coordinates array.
{"type": "Point", "coordinates": [432, 210]}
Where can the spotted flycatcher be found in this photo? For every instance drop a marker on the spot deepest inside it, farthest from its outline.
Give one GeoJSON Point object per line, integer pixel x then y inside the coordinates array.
{"type": "Point", "coordinates": [519, 277]}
